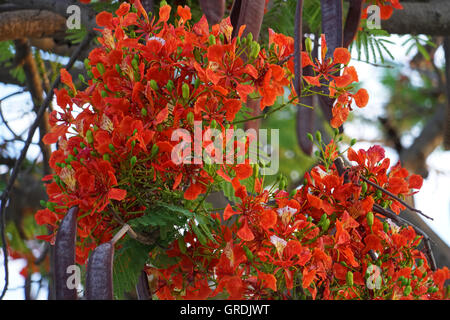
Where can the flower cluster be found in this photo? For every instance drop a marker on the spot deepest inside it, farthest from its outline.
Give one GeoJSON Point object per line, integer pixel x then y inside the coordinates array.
{"type": "Point", "coordinates": [117, 160]}
{"type": "Point", "coordinates": [323, 242]}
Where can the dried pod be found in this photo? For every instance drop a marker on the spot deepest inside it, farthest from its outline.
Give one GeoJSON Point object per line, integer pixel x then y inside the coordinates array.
{"type": "Point", "coordinates": [64, 256]}
{"type": "Point", "coordinates": [142, 287]}
{"type": "Point", "coordinates": [99, 274]}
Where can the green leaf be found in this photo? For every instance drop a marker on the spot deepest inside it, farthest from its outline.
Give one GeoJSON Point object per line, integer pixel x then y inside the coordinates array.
{"type": "Point", "coordinates": [129, 261]}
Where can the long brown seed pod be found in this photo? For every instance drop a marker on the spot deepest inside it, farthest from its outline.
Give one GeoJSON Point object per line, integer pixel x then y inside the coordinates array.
{"type": "Point", "coordinates": [64, 256]}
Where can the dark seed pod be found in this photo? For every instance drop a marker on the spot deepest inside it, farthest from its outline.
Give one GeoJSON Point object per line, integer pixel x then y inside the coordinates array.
{"type": "Point", "coordinates": [64, 256]}
{"type": "Point", "coordinates": [99, 274]}
{"type": "Point", "coordinates": [142, 287]}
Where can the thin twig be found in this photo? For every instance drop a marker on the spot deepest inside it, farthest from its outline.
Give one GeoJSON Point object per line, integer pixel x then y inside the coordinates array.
{"type": "Point", "coordinates": [395, 197]}
{"type": "Point", "coordinates": [400, 221]}
{"type": "Point", "coordinates": [5, 194]}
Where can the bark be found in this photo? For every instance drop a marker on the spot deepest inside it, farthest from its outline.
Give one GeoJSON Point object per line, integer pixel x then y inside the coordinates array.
{"type": "Point", "coordinates": [30, 24]}
{"type": "Point", "coordinates": [431, 18]}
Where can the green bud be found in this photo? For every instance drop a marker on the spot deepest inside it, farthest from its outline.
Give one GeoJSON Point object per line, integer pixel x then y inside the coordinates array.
{"type": "Point", "coordinates": [248, 253]}
{"type": "Point", "coordinates": [185, 91]}
{"type": "Point", "coordinates": [282, 185]}
{"type": "Point", "coordinates": [249, 37]}
{"type": "Point", "coordinates": [363, 187]}
{"type": "Point", "coordinates": [90, 74]}
{"type": "Point", "coordinates": [133, 161]}
{"type": "Point", "coordinates": [322, 219]}
{"type": "Point", "coordinates": [420, 262]}
{"type": "Point", "coordinates": [310, 136]}
{"type": "Point", "coordinates": [190, 118]}
{"type": "Point", "coordinates": [86, 64]}
{"type": "Point", "coordinates": [100, 68]}
{"type": "Point", "coordinates": [212, 40]}
{"type": "Point", "coordinates": [144, 112]}
{"type": "Point", "coordinates": [51, 206]}
{"type": "Point", "coordinates": [119, 71]}
{"type": "Point", "coordinates": [154, 85]}
{"type": "Point", "coordinates": [75, 150]}
{"type": "Point", "coordinates": [379, 194]}
{"type": "Point", "coordinates": [155, 150]}
{"type": "Point", "coordinates": [104, 94]}
{"type": "Point", "coordinates": [133, 143]}
{"type": "Point", "coordinates": [349, 278]}
{"type": "Point", "coordinates": [318, 136]}
{"type": "Point", "coordinates": [407, 291]}
{"type": "Point", "coordinates": [309, 219]}
{"type": "Point", "coordinates": [385, 227]}
{"type": "Point", "coordinates": [255, 48]}
{"type": "Point", "coordinates": [308, 44]}
{"type": "Point", "coordinates": [214, 124]}
{"type": "Point", "coordinates": [106, 157]}
{"type": "Point", "coordinates": [370, 218]}
{"type": "Point", "coordinates": [170, 85]}
{"type": "Point", "coordinates": [326, 225]}
{"type": "Point", "coordinates": [111, 147]}
{"type": "Point", "coordinates": [222, 38]}
{"type": "Point", "coordinates": [81, 77]}
{"type": "Point", "coordinates": [89, 137]}
{"type": "Point", "coordinates": [82, 145]}
{"type": "Point", "coordinates": [352, 142]}
{"type": "Point", "coordinates": [134, 132]}
{"type": "Point", "coordinates": [238, 41]}
{"type": "Point", "coordinates": [196, 83]}
{"type": "Point", "coordinates": [43, 203]}
{"type": "Point", "coordinates": [135, 62]}
{"type": "Point", "coordinates": [163, 3]}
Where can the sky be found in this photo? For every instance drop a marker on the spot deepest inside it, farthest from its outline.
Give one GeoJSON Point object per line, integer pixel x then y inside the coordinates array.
{"type": "Point", "coordinates": [433, 199]}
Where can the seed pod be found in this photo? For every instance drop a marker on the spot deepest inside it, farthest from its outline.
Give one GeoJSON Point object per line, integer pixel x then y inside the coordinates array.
{"type": "Point", "coordinates": [99, 274]}
{"type": "Point", "coordinates": [370, 218]}
{"type": "Point", "coordinates": [349, 278]}
{"type": "Point", "coordinates": [64, 256]}
{"type": "Point", "coordinates": [142, 287]}
{"type": "Point", "coordinates": [185, 91]}
{"type": "Point", "coordinates": [89, 137]}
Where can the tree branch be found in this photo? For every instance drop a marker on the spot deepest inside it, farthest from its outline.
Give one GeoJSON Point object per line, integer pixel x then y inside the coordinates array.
{"type": "Point", "coordinates": [432, 18]}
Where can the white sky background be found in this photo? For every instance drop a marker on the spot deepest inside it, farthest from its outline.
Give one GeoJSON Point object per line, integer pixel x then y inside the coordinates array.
{"type": "Point", "coordinates": [433, 199]}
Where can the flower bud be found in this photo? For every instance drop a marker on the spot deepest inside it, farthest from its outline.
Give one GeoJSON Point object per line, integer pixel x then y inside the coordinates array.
{"type": "Point", "coordinates": [190, 118]}
{"type": "Point", "coordinates": [370, 218]}
{"type": "Point", "coordinates": [308, 44]}
{"type": "Point", "coordinates": [154, 85]}
{"type": "Point", "coordinates": [349, 278]}
{"type": "Point", "coordinates": [144, 112]}
{"type": "Point", "coordinates": [185, 91]}
{"type": "Point", "coordinates": [89, 137]}
{"type": "Point", "coordinates": [133, 161]}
